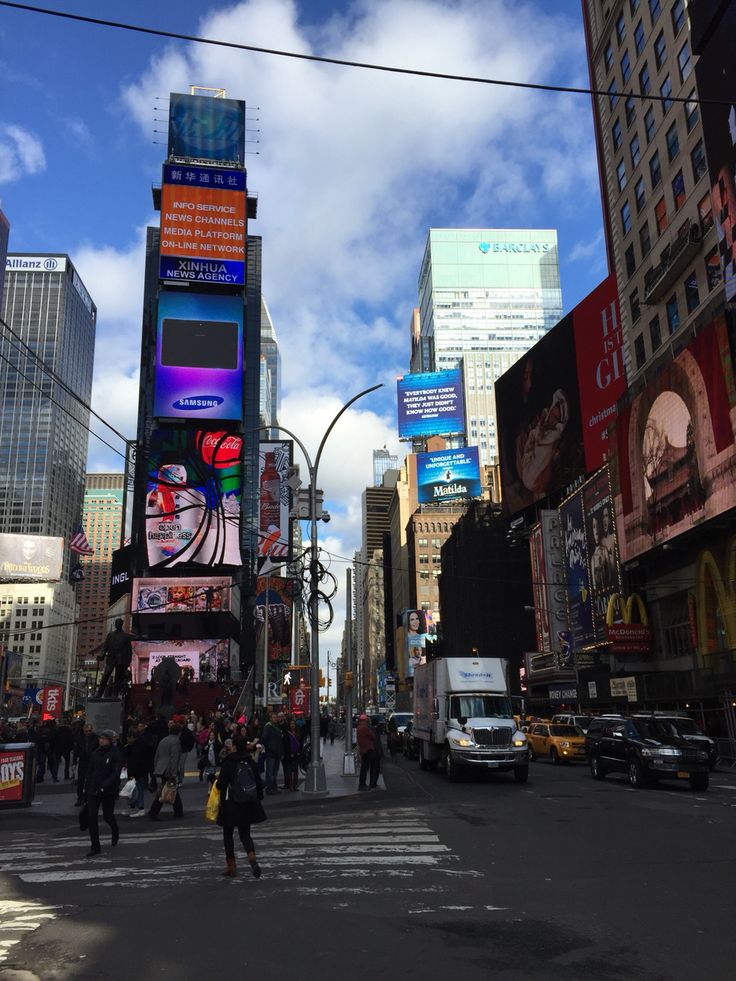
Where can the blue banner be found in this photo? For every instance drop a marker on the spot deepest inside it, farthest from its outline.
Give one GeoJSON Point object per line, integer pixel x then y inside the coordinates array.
{"type": "Point", "coordinates": [185, 269]}
{"type": "Point", "coordinates": [448, 474]}
{"type": "Point", "coordinates": [431, 403]}
{"type": "Point", "coordinates": [216, 177]}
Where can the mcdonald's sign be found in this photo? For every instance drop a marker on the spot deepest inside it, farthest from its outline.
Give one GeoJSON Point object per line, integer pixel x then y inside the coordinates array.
{"type": "Point", "coordinates": [625, 635]}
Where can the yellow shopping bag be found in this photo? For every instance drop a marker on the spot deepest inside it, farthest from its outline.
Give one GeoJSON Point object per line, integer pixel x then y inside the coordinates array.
{"type": "Point", "coordinates": [212, 808]}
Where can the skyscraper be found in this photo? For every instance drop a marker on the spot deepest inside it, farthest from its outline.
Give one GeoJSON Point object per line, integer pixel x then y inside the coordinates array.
{"type": "Point", "coordinates": [485, 296]}
{"type": "Point", "coordinates": [43, 440]}
{"type": "Point", "coordinates": [383, 461]}
{"type": "Point", "coordinates": [270, 351]}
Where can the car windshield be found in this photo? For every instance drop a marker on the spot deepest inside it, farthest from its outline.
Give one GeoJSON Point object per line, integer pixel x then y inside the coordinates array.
{"type": "Point", "coordinates": [480, 707]}
{"type": "Point", "coordinates": [654, 729]}
{"type": "Point", "coordinates": [401, 718]}
{"type": "Point", "coordinates": [567, 731]}
{"type": "Point", "coordinates": [686, 727]}
{"type": "Point", "coordinates": [582, 720]}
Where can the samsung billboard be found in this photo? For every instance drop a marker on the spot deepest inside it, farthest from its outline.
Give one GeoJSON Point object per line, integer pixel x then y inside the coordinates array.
{"type": "Point", "coordinates": [445, 475]}
{"type": "Point", "coordinates": [431, 403]}
{"type": "Point", "coordinates": [199, 356]}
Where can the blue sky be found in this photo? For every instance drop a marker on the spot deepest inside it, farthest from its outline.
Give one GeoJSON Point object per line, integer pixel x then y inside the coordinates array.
{"type": "Point", "coordinates": [352, 169]}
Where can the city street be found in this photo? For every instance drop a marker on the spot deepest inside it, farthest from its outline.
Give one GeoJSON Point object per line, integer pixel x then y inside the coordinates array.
{"type": "Point", "coordinates": [561, 877]}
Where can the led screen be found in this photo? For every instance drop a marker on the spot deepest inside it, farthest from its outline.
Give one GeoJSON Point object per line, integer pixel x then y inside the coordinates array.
{"type": "Point", "coordinates": [278, 594]}
{"type": "Point", "coordinates": [185, 595]}
{"type": "Point", "coordinates": [274, 527]}
{"type": "Point", "coordinates": [204, 128]}
{"type": "Point", "coordinates": [431, 404]}
{"type": "Point", "coordinates": [30, 558]}
{"type": "Point", "coordinates": [199, 356]}
{"type": "Point", "coordinates": [414, 623]}
{"type": "Point", "coordinates": [448, 474]}
{"type": "Point", "coordinates": [206, 658]}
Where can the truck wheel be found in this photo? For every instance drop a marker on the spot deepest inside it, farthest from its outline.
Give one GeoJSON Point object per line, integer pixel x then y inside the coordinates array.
{"type": "Point", "coordinates": [521, 774]}
{"type": "Point", "coordinates": [452, 770]}
{"type": "Point", "coordinates": [699, 781]}
{"type": "Point", "coordinates": [423, 763]}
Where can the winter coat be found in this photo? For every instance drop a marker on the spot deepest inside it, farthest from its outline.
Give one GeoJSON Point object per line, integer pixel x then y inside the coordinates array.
{"type": "Point", "coordinates": [290, 754]}
{"type": "Point", "coordinates": [137, 758]}
{"type": "Point", "coordinates": [272, 739]}
{"type": "Point", "coordinates": [103, 772]}
{"type": "Point", "coordinates": [85, 748]}
{"type": "Point", "coordinates": [186, 738]}
{"type": "Point", "coordinates": [232, 814]}
{"type": "Point", "coordinates": [168, 755]}
{"type": "Point", "coordinates": [366, 738]}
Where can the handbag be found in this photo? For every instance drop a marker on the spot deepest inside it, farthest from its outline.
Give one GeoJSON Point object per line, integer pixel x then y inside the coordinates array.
{"type": "Point", "coordinates": [212, 808]}
{"type": "Point", "coordinates": [129, 789]}
{"type": "Point", "coordinates": [168, 791]}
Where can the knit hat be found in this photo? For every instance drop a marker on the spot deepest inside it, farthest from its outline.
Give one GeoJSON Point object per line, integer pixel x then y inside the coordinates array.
{"type": "Point", "coordinates": [109, 734]}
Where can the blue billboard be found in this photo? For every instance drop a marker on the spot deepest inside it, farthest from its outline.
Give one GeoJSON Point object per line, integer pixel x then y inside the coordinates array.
{"type": "Point", "coordinates": [199, 356]}
{"type": "Point", "coordinates": [447, 474]}
{"type": "Point", "coordinates": [204, 128]}
{"type": "Point", "coordinates": [431, 403]}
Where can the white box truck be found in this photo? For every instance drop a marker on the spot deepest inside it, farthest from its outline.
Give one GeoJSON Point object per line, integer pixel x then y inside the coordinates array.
{"type": "Point", "coordinates": [463, 717]}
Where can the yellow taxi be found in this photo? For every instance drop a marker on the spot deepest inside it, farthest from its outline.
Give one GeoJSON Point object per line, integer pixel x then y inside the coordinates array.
{"type": "Point", "coordinates": [558, 743]}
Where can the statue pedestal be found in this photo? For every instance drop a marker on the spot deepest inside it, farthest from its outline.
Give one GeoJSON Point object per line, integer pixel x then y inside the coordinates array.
{"type": "Point", "coordinates": [104, 713]}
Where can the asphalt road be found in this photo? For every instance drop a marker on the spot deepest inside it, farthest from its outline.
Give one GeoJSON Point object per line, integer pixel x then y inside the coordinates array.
{"type": "Point", "coordinates": [563, 877]}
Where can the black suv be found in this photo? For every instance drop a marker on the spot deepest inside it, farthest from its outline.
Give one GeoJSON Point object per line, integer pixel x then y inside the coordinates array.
{"type": "Point", "coordinates": [644, 749]}
{"type": "Point", "coordinates": [686, 727]}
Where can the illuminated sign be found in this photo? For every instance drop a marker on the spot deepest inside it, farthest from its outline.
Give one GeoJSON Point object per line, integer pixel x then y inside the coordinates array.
{"type": "Point", "coordinates": [431, 404]}
{"type": "Point", "coordinates": [204, 128]}
{"type": "Point", "coordinates": [204, 657]}
{"type": "Point", "coordinates": [25, 558]}
{"type": "Point", "coordinates": [274, 527]}
{"type": "Point", "coordinates": [448, 474]}
{"type": "Point", "coordinates": [185, 595]}
{"type": "Point", "coordinates": [278, 594]}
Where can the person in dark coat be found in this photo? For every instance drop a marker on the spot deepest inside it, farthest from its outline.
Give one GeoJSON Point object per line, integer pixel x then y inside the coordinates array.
{"type": "Point", "coordinates": [137, 760]}
{"type": "Point", "coordinates": [86, 745]}
{"type": "Point", "coordinates": [366, 737]}
{"type": "Point", "coordinates": [64, 746]}
{"type": "Point", "coordinates": [273, 743]}
{"type": "Point", "coordinates": [239, 815]}
{"type": "Point", "coordinates": [101, 787]}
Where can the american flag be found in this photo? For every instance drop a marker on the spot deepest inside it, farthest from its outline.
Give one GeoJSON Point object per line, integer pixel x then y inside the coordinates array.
{"type": "Point", "coordinates": [78, 543]}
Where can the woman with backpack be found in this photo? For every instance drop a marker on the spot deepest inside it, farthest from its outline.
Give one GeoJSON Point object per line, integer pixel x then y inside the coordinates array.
{"type": "Point", "coordinates": [241, 793]}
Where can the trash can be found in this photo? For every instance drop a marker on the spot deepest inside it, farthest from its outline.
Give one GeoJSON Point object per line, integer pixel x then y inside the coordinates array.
{"type": "Point", "coordinates": [17, 774]}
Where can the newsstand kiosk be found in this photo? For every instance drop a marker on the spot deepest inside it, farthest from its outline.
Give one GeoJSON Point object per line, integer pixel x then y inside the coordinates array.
{"type": "Point", "coordinates": [17, 774]}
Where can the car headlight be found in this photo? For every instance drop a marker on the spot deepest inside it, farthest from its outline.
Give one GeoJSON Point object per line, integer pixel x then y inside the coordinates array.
{"type": "Point", "coordinates": [519, 741]}
{"type": "Point", "coordinates": [649, 753]}
{"type": "Point", "coordinates": [565, 744]}
{"type": "Point", "coordinates": [668, 751]}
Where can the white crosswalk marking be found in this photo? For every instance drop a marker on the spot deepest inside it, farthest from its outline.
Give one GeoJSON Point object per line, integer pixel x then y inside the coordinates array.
{"type": "Point", "coordinates": [19, 917]}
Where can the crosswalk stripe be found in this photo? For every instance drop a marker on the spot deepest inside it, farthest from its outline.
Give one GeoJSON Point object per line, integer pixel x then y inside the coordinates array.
{"type": "Point", "coordinates": [19, 917]}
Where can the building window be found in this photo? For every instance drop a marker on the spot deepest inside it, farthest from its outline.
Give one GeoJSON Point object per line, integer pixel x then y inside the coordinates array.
{"type": "Point", "coordinates": [612, 97]}
{"type": "Point", "coordinates": [644, 239]}
{"type": "Point", "coordinates": [678, 190]}
{"type": "Point", "coordinates": [705, 213]}
{"type": "Point", "coordinates": [685, 61]}
{"type": "Point", "coordinates": [678, 16]}
{"type": "Point", "coordinates": [645, 83]}
{"type": "Point", "coordinates": [608, 56]}
{"type": "Point", "coordinates": [673, 143]}
{"type": "Point", "coordinates": [639, 40]}
{"type": "Point", "coordinates": [635, 152]}
{"type": "Point", "coordinates": [630, 108]}
{"type": "Point", "coordinates": [655, 171]}
{"type": "Point", "coordinates": [697, 156]}
{"type": "Point", "coordinates": [660, 215]}
{"type": "Point", "coordinates": [621, 28]}
{"type": "Point", "coordinates": [692, 296]}
{"type": "Point", "coordinates": [713, 269]}
{"type": "Point", "coordinates": [660, 50]}
{"type": "Point", "coordinates": [621, 175]}
{"type": "Point", "coordinates": [665, 91]}
{"type": "Point", "coordinates": [423, 560]}
{"type": "Point", "coordinates": [616, 134]}
{"type": "Point", "coordinates": [436, 543]}
{"type": "Point", "coordinates": [655, 333]}
{"type": "Point", "coordinates": [626, 218]}
{"type": "Point", "coordinates": [633, 6]}
{"type": "Point", "coordinates": [639, 352]}
{"type": "Point", "coordinates": [630, 258]}
{"type": "Point", "coordinates": [423, 542]}
{"type": "Point", "coordinates": [673, 314]}
{"type": "Point", "coordinates": [655, 9]}
{"type": "Point", "coordinates": [640, 193]}
{"type": "Point", "coordinates": [625, 67]}
{"type": "Point", "coordinates": [649, 124]}
{"type": "Point", "coordinates": [634, 305]}
{"type": "Point", "coordinates": [691, 112]}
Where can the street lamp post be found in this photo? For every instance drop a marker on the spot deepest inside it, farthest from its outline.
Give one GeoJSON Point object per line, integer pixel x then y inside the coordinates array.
{"type": "Point", "coordinates": [316, 782]}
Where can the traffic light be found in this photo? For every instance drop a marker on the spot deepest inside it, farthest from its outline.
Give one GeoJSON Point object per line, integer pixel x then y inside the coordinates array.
{"type": "Point", "coordinates": [321, 679]}
{"type": "Point", "coordinates": [348, 679]}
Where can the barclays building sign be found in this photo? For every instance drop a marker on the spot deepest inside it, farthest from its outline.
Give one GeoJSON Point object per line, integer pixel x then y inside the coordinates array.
{"type": "Point", "coordinates": [534, 247]}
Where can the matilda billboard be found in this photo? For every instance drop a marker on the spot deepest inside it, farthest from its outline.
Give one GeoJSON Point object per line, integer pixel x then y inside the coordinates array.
{"type": "Point", "coordinates": [274, 499]}
{"type": "Point", "coordinates": [199, 356]}
{"type": "Point", "coordinates": [193, 498]}
{"type": "Point", "coordinates": [203, 225]}
{"type": "Point", "coordinates": [448, 474]}
{"type": "Point", "coordinates": [203, 128]}
{"type": "Point", "coordinates": [431, 403]}
{"type": "Point", "coordinates": [30, 558]}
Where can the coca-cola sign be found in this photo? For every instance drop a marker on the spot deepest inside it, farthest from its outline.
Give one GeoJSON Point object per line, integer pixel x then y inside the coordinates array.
{"type": "Point", "coordinates": [220, 449]}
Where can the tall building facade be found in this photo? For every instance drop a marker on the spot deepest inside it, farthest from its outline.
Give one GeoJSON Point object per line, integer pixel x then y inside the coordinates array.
{"type": "Point", "coordinates": [44, 433]}
{"type": "Point", "coordinates": [272, 355]}
{"type": "Point", "coordinates": [383, 461]}
{"type": "Point", "coordinates": [102, 524]}
{"type": "Point", "coordinates": [485, 297]}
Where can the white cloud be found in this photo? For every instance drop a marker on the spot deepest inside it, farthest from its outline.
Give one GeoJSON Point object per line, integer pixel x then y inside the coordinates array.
{"type": "Point", "coordinates": [583, 251]}
{"type": "Point", "coordinates": [21, 153]}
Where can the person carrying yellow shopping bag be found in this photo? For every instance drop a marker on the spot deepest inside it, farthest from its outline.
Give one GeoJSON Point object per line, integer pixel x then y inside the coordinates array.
{"type": "Point", "coordinates": [212, 808]}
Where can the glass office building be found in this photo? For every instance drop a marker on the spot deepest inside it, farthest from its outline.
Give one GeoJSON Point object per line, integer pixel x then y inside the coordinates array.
{"type": "Point", "coordinates": [485, 297]}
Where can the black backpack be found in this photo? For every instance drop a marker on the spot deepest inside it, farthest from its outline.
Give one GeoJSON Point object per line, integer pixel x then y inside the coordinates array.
{"type": "Point", "coordinates": [243, 787]}
{"type": "Point", "coordinates": [186, 739]}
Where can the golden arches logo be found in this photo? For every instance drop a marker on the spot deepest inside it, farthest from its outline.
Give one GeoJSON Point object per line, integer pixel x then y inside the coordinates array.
{"type": "Point", "coordinates": [624, 608]}
{"type": "Point", "coordinates": [713, 594]}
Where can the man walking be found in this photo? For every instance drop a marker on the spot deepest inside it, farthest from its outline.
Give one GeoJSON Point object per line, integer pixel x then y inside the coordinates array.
{"type": "Point", "coordinates": [101, 789]}
{"type": "Point", "coordinates": [273, 741]}
{"type": "Point", "coordinates": [86, 745]}
{"type": "Point", "coordinates": [366, 737]}
{"type": "Point", "coordinates": [166, 767]}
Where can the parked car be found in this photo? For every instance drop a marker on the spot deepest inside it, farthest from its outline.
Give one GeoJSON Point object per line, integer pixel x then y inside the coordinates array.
{"type": "Point", "coordinates": [686, 727]}
{"type": "Point", "coordinates": [559, 743]}
{"type": "Point", "coordinates": [571, 719]}
{"type": "Point", "coordinates": [410, 747]}
{"type": "Point", "coordinates": [645, 750]}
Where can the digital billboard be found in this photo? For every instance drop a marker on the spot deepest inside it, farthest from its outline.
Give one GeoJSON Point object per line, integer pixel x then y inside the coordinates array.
{"type": "Point", "coordinates": [448, 474]}
{"type": "Point", "coordinates": [600, 368]}
{"type": "Point", "coordinates": [203, 225]}
{"type": "Point", "coordinates": [431, 403]}
{"type": "Point", "coordinates": [274, 500]}
{"type": "Point", "coordinates": [204, 657]}
{"type": "Point", "coordinates": [279, 594]}
{"type": "Point", "coordinates": [30, 558]}
{"type": "Point", "coordinates": [676, 456]}
{"type": "Point", "coordinates": [414, 623]}
{"type": "Point", "coordinates": [193, 496]}
{"type": "Point", "coordinates": [185, 595]}
{"type": "Point", "coordinates": [602, 547]}
{"type": "Point", "coordinates": [199, 356]}
{"type": "Point", "coordinates": [121, 573]}
{"type": "Point", "coordinates": [579, 604]}
{"type": "Point", "coordinates": [204, 128]}
{"type": "Point", "coordinates": [538, 414]}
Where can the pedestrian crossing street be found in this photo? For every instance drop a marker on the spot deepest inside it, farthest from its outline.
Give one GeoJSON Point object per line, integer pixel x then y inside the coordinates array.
{"type": "Point", "coordinates": [396, 843]}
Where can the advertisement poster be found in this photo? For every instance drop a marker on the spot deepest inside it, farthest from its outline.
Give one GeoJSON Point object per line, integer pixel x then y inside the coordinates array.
{"type": "Point", "coordinates": [121, 577]}
{"type": "Point", "coordinates": [188, 595]}
{"type": "Point", "coordinates": [431, 404]}
{"type": "Point", "coordinates": [193, 498]}
{"type": "Point", "coordinates": [539, 590]}
{"type": "Point", "coordinates": [206, 658]}
{"type": "Point", "coordinates": [280, 593]}
{"type": "Point", "coordinates": [538, 410]}
{"type": "Point", "coordinates": [600, 368]}
{"type": "Point", "coordinates": [30, 558]}
{"type": "Point", "coordinates": [600, 533]}
{"type": "Point", "coordinates": [12, 774]}
{"type": "Point", "coordinates": [203, 225]}
{"type": "Point", "coordinates": [274, 500]}
{"type": "Point", "coordinates": [448, 474]}
{"type": "Point", "coordinates": [576, 567]}
{"type": "Point", "coordinates": [52, 701]}
{"type": "Point", "coordinates": [415, 633]}
{"type": "Point", "coordinates": [554, 567]}
{"type": "Point", "coordinates": [205, 128]}
{"type": "Point", "coordinates": [676, 457]}
{"type": "Point", "coordinates": [199, 356]}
